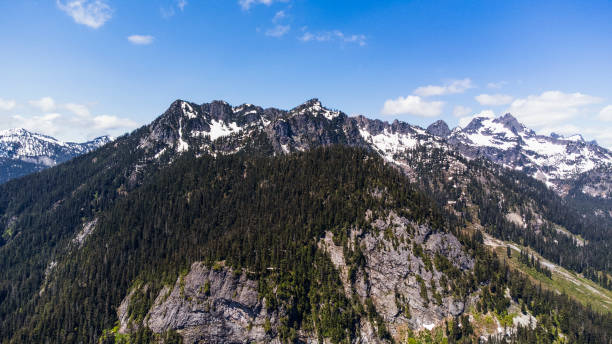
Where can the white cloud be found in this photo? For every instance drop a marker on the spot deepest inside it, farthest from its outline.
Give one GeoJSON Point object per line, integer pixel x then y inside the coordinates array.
{"type": "Point", "coordinates": [7, 104]}
{"type": "Point", "coordinates": [413, 105]}
{"type": "Point", "coordinates": [453, 87]}
{"type": "Point", "coordinates": [550, 107]}
{"type": "Point", "coordinates": [69, 122]}
{"type": "Point", "coordinates": [493, 99]}
{"type": "Point", "coordinates": [464, 121]}
{"type": "Point", "coordinates": [279, 16]}
{"type": "Point", "coordinates": [77, 109]}
{"type": "Point", "coordinates": [45, 104]}
{"type": "Point", "coordinates": [44, 124]}
{"type": "Point", "coordinates": [335, 35]}
{"type": "Point", "coordinates": [70, 127]}
{"type": "Point", "coordinates": [170, 11]}
{"type": "Point", "coordinates": [606, 113]}
{"type": "Point", "coordinates": [92, 13]}
{"type": "Point", "coordinates": [141, 39]}
{"type": "Point", "coordinates": [107, 122]}
{"type": "Point", "coordinates": [497, 85]}
{"type": "Point", "coordinates": [461, 110]}
{"type": "Point", "coordinates": [278, 31]}
{"type": "Point", "coordinates": [247, 4]}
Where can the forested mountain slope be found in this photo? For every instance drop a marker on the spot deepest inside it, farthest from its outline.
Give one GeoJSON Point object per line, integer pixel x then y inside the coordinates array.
{"type": "Point", "coordinates": [232, 216]}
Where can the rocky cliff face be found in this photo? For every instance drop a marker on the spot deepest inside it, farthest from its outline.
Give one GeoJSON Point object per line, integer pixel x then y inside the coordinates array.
{"type": "Point", "coordinates": [218, 304]}
{"type": "Point", "coordinates": [439, 128]}
{"type": "Point", "coordinates": [210, 305]}
{"type": "Point", "coordinates": [408, 291]}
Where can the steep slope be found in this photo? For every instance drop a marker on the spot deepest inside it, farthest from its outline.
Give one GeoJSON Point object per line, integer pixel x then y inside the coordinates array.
{"type": "Point", "coordinates": [218, 128]}
{"type": "Point", "coordinates": [265, 249]}
{"type": "Point", "coordinates": [555, 160]}
{"type": "Point", "coordinates": [23, 152]}
{"type": "Point", "coordinates": [179, 224]}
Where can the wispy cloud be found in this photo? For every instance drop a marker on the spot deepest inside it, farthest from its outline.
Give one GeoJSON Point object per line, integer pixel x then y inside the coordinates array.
{"type": "Point", "coordinates": [70, 121]}
{"type": "Point", "coordinates": [606, 114]}
{"type": "Point", "coordinates": [77, 109]}
{"type": "Point", "coordinates": [496, 85]}
{"type": "Point", "coordinates": [7, 104]}
{"type": "Point", "coordinates": [550, 107]}
{"type": "Point", "coordinates": [44, 104]}
{"type": "Point", "coordinates": [170, 11]}
{"type": "Point", "coordinates": [452, 87]}
{"type": "Point", "coordinates": [336, 35]}
{"type": "Point", "coordinates": [493, 99]}
{"type": "Point", "coordinates": [247, 4]}
{"type": "Point", "coordinates": [92, 13]}
{"type": "Point", "coordinates": [279, 16]}
{"type": "Point", "coordinates": [278, 31]}
{"type": "Point", "coordinates": [141, 39]}
{"type": "Point", "coordinates": [412, 105]}
{"type": "Point", "coordinates": [460, 110]}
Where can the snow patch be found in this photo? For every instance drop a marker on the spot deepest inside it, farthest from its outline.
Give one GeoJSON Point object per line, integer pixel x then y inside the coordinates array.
{"type": "Point", "coordinates": [188, 110]}
{"type": "Point", "coordinates": [182, 146]}
{"type": "Point", "coordinates": [388, 143]}
{"type": "Point", "coordinates": [219, 129]}
{"type": "Point", "coordinates": [160, 153]}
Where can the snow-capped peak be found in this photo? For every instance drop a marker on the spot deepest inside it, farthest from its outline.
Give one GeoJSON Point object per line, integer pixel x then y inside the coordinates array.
{"type": "Point", "coordinates": [19, 146]}
{"type": "Point", "coordinates": [549, 158]}
{"type": "Point", "coordinates": [315, 108]}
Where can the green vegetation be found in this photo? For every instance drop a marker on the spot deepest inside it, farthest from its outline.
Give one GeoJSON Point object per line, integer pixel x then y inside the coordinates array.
{"type": "Point", "coordinates": [486, 192]}
{"type": "Point", "coordinates": [579, 288]}
{"type": "Point", "coordinates": [264, 215]}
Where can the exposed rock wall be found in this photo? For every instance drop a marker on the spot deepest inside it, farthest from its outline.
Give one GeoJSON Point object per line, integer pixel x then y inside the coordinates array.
{"type": "Point", "coordinates": [223, 306]}
{"type": "Point", "coordinates": [210, 306]}
{"type": "Point", "coordinates": [392, 271]}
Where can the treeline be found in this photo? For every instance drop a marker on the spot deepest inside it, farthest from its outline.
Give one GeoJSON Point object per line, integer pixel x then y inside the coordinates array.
{"type": "Point", "coordinates": [497, 191]}
{"type": "Point", "coordinates": [533, 262]}
{"type": "Point", "coordinates": [264, 215]}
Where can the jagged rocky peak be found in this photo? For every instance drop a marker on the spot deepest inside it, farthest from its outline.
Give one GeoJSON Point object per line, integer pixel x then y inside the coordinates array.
{"type": "Point", "coordinates": [511, 123]}
{"type": "Point", "coordinates": [439, 128]}
{"type": "Point", "coordinates": [475, 124]}
{"type": "Point", "coordinates": [506, 141]}
{"type": "Point", "coordinates": [315, 108]}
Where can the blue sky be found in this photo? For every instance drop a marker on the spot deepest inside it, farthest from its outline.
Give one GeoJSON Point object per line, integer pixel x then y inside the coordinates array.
{"type": "Point", "coordinates": [76, 69]}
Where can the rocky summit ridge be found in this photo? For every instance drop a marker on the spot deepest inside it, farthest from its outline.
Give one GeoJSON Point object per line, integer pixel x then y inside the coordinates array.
{"type": "Point", "coordinates": [219, 128]}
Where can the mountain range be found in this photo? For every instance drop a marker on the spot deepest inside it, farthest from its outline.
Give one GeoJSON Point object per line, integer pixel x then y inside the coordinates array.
{"type": "Point", "coordinates": [23, 152]}
{"type": "Point", "coordinates": [560, 162]}
{"type": "Point", "coordinates": [555, 160]}
{"type": "Point", "coordinates": [231, 224]}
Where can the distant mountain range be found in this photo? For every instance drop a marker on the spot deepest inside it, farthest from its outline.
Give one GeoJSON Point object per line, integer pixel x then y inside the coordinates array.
{"type": "Point", "coordinates": [554, 159]}
{"type": "Point", "coordinates": [23, 152]}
